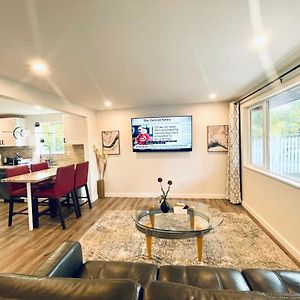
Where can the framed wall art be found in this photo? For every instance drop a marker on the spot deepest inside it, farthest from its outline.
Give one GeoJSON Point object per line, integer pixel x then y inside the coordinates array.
{"type": "Point", "coordinates": [111, 142]}
{"type": "Point", "coordinates": [217, 138]}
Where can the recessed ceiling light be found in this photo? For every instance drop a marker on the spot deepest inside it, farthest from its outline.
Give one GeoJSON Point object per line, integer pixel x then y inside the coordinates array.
{"type": "Point", "coordinates": [39, 67]}
{"type": "Point", "coordinates": [37, 107]}
{"type": "Point", "coordinates": [260, 40]}
{"type": "Point", "coordinates": [212, 96]}
{"type": "Point", "coordinates": [107, 103]}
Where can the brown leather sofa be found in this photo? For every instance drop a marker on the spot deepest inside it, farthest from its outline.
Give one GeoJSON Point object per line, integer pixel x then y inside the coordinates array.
{"type": "Point", "coordinates": [65, 276]}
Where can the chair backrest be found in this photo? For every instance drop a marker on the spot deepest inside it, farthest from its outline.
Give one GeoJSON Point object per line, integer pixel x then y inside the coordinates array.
{"type": "Point", "coordinates": [64, 180]}
{"type": "Point", "coordinates": [39, 166]}
{"type": "Point", "coordinates": [15, 171]}
{"type": "Point", "coordinates": [81, 174]}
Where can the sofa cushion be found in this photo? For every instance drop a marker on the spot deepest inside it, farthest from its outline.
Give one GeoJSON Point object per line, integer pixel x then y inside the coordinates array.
{"type": "Point", "coordinates": [204, 277]}
{"type": "Point", "coordinates": [291, 280]}
{"type": "Point", "coordinates": [143, 273]}
{"type": "Point", "coordinates": [268, 281]}
{"type": "Point", "coordinates": [158, 290]}
{"type": "Point", "coordinates": [14, 286]}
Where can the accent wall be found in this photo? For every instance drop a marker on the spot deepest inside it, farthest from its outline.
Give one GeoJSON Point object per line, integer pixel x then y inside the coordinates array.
{"type": "Point", "coordinates": [195, 174]}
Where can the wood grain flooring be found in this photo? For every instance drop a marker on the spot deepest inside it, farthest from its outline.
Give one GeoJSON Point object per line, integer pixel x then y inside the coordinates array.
{"type": "Point", "coordinates": [23, 251]}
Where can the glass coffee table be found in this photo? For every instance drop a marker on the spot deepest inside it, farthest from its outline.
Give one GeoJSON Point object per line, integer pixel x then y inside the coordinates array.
{"type": "Point", "coordinates": [189, 223]}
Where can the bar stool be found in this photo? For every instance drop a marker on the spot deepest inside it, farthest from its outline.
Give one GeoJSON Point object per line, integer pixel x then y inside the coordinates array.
{"type": "Point", "coordinates": [39, 167]}
{"type": "Point", "coordinates": [81, 176]}
{"type": "Point", "coordinates": [16, 190]}
{"type": "Point", "coordinates": [51, 205]}
{"type": "Point", "coordinates": [63, 186]}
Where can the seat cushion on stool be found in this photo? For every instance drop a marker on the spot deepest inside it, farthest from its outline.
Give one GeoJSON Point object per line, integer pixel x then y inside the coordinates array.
{"type": "Point", "coordinates": [204, 277]}
{"type": "Point", "coordinates": [271, 282]}
{"type": "Point", "coordinates": [45, 193]}
{"type": "Point", "coordinates": [19, 193]}
{"type": "Point", "coordinates": [143, 273]}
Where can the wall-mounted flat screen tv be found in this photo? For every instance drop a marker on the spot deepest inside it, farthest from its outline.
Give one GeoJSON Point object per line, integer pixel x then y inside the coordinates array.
{"type": "Point", "coordinates": [162, 134]}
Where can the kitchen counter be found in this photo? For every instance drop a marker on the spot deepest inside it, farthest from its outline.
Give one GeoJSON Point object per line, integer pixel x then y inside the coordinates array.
{"type": "Point", "coordinates": [3, 186]}
{"type": "Point", "coordinates": [22, 162]}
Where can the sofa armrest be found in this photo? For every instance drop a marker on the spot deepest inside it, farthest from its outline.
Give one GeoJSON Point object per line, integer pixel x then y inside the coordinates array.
{"type": "Point", "coordinates": [14, 286]}
{"type": "Point", "coordinates": [65, 261]}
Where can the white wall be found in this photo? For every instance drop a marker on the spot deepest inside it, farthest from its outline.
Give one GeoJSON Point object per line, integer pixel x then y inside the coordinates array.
{"type": "Point", "coordinates": [25, 93]}
{"type": "Point", "coordinates": [275, 204]}
{"type": "Point", "coordinates": [195, 174]}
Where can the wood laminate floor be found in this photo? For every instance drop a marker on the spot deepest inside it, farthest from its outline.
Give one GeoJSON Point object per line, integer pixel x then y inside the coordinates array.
{"type": "Point", "coordinates": [23, 251]}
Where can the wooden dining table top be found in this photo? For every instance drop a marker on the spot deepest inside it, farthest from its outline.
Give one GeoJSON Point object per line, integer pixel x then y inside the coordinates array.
{"type": "Point", "coordinates": [33, 177]}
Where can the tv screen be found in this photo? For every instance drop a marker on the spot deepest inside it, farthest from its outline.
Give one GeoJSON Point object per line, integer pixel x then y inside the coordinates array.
{"type": "Point", "coordinates": [162, 134]}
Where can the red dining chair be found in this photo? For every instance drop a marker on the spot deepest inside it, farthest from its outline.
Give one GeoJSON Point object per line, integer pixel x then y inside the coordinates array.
{"type": "Point", "coordinates": [39, 166]}
{"type": "Point", "coordinates": [15, 191]}
{"type": "Point", "coordinates": [63, 186]}
{"type": "Point", "coordinates": [80, 181]}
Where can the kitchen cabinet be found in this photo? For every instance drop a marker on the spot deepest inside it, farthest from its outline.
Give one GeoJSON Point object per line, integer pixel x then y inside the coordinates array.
{"type": "Point", "coordinates": [7, 127]}
{"type": "Point", "coordinates": [75, 129]}
{"type": "Point", "coordinates": [3, 186]}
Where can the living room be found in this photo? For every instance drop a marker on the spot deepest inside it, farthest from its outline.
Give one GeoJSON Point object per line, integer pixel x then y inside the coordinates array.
{"type": "Point", "coordinates": [114, 61]}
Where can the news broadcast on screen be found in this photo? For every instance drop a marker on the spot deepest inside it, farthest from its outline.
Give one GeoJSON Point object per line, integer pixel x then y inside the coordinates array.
{"type": "Point", "coordinates": [162, 134]}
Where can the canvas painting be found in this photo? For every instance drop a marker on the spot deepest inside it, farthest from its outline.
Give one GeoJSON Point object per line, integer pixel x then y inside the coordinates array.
{"type": "Point", "coordinates": [111, 142]}
{"type": "Point", "coordinates": [217, 138]}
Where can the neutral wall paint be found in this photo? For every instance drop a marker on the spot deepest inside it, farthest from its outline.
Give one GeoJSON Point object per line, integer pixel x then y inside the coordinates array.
{"type": "Point", "coordinates": [25, 93]}
{"type": "Point", "coordinates": [195, 174]}
{"type": "Point", "coordinates": [275, 204]}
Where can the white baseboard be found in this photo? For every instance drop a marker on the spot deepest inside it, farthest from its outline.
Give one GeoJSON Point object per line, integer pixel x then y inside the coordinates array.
{"type": "Point", "coordinates": [287, 245]}
{"type": "Point", "coordinates": [155, 195]}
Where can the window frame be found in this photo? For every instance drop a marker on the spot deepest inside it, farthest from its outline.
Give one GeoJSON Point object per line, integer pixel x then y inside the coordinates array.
{"type": "Point", "coordinates": [42, 152]}
{"type": "Point", "coordinates": [249, 156]}
{"type": "Point", "coordinates": [265, 169]}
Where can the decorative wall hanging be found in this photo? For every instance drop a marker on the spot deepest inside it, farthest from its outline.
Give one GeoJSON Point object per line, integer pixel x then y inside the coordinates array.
{"type": "Point", "coordinates": [111, 142]}
{"type": "Point", "coordinates": [217, 138]}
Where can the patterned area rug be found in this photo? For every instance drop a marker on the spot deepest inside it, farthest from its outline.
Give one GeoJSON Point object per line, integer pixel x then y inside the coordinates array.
{"type": "Point", "coordinates": [237, 243]}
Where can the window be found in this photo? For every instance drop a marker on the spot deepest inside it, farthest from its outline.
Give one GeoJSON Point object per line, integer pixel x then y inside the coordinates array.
{"type": "Point", "coordinates": [52, 134]}
{"type": "Point", "coordinates": [284, 138]}
{"type": "Point", "coordinates": [257, 136]}
{"type": "Point", "coordinates": [281, 133]}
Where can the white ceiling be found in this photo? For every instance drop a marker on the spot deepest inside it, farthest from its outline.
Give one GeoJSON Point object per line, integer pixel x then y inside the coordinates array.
{"type": "Point", "coordinates": [141, 53]}
{"type": "Point", "coordinates": [12, 107]}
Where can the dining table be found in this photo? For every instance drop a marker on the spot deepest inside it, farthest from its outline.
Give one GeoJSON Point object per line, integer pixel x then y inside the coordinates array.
{"type": "Point", "coordinates": [29, 179]}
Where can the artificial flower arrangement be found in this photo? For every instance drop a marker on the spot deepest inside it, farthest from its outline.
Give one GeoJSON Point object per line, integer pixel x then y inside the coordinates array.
{"type": "Point", "coordinates": [101, 159]}
{"type": "Point", "coordinates": [164, 205]}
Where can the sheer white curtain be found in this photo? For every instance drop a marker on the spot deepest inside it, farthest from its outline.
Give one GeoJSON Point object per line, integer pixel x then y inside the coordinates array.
{"type": "Point", "coordinates": [233, 188]}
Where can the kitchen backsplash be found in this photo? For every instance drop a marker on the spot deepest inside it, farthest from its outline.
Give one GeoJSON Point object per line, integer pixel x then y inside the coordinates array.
{"type": "Point", "coordinates": [25, 151]}
{"type": "Point", "coordinates": [73, 154]}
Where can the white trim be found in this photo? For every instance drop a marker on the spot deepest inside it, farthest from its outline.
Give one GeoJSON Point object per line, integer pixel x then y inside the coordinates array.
{"type": "Point", "coordinates": [289, 247]}
{"type": "Point", "coordinates": [266, 135]}
{"type": "Point", "coordinates": [155, 195]}
{"type": "Point", "coordinates": [288, 181]}
{"type": "Point", "coordinates": [268, 94]}
{"type": "Point", "coordinates": [93, 199]}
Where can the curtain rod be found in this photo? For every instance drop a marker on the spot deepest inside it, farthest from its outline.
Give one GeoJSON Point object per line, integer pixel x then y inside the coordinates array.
{"type": "Point", "coordinates": [267, 84]}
